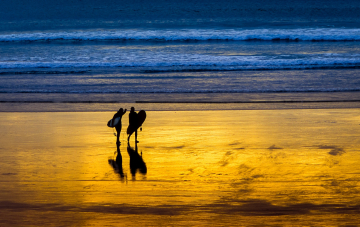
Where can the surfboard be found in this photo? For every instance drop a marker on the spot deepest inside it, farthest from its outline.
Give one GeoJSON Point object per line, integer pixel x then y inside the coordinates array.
{"type": "Point", "coordinates": [113, 122]}
{"type": "Point", "coordinates": [141, 116]}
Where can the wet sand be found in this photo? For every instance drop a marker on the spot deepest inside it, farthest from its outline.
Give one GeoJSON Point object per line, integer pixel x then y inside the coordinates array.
{"type": "Point", "coordinates": [197, 168]}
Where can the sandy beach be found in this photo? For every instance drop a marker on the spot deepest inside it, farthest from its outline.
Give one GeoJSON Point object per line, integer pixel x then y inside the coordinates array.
{"type": "Point", "coordinates": [198, 168]}
{"type": "Point", "coordinates": [253, 113]}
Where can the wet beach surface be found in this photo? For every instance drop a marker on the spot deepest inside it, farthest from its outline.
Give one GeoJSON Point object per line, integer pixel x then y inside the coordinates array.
{"type": "Point", "coordinates": [253, 113]}
{"type": "Point", "coordinates": [257, 167]}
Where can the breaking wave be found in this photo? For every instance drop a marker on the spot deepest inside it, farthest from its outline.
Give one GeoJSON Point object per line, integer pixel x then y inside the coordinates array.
{"type": "Point", "coordinates": [300, 34]}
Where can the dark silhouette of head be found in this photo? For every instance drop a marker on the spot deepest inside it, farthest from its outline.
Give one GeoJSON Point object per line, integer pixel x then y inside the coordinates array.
{"type": "Point", "coordinates": [121, 110]}
{"type": "Point", "coordinates": [132, 109]}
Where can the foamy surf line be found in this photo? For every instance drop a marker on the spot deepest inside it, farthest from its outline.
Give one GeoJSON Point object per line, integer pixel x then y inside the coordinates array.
{"type": "Point", "coordinates": [202, 63]}
{"type": "Point", "coordinates": [301, 34]}
{"type": "Point", "coordinates": [181, 91]}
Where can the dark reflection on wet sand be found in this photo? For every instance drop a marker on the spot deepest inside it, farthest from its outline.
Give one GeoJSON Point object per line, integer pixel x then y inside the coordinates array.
{"type": "Point", "coordinates": [117, 163]}
{"type": "Point", "coordinates": [137, 163]}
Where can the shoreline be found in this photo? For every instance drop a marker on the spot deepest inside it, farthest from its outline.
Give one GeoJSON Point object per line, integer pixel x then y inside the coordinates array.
{"type": "Point", "coordinates": [160, 106]}
{"type": "Point", "coordinates": [68, 102]}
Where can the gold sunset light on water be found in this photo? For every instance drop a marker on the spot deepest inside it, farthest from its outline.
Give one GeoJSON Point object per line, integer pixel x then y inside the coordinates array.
{"type": "Point", "coordinates": [250, 113]}
{"type": "Point", "coordinates": [193, 164]}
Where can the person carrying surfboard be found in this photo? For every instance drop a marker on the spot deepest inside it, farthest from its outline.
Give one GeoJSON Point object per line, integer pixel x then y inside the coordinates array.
{"type": "Point", "coordinates": [118, 126]}
{"type": "Point", "coordinates": [133, 124]}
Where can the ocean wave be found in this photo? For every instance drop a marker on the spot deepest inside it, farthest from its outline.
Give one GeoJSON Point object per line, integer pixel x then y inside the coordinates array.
{"type": "Point", "coordinates": [181, 91]}
{"type": "Point", "coordinates": [266, 34]}
{"type": "Point", "coordinates": [29, 70]}
{"type": "Point", "coordinates": [196, 62]}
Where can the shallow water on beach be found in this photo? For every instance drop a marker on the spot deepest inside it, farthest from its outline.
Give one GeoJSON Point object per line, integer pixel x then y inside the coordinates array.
{"type": "Point", "coordinates": [260, 167]}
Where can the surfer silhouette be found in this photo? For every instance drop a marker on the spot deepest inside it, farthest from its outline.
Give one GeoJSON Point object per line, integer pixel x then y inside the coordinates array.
{"type": "Point", "coordinates": [118, 126]}
{"type": "Point", "coordinates": [136, 161]}
{"type": "Point", "coordinates": [135, 121]}
{"type": "Point", "coordinates": [133, 124]}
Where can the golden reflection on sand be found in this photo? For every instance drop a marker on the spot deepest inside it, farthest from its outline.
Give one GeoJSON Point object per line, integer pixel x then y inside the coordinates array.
{"type": "Point", "coordinates": [190, 168]}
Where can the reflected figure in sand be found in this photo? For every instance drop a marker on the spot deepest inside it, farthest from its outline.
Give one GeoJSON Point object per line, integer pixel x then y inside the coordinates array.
{"type": "Point", "coordinates": [118, 126]}
{"type": "Point", "coordinates": [136, 161]}
{"type": "Point", "coordinates": [117, 163]}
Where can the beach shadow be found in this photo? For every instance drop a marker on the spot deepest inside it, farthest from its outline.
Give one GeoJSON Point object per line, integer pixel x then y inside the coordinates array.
{"type": "Point", "coordinates": [137, 163]}
{"type": "Point", "coordinates": [334, 150]}
{"type": "Point", "coordinates": [116, 163]}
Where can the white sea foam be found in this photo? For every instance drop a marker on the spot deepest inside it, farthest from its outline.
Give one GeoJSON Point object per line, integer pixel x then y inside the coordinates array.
{"type": "Point", "coordinates": [301, 34]}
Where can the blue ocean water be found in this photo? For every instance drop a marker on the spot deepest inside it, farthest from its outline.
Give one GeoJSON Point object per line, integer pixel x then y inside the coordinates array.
{"type": "Point", "coordinates": [179, 51]}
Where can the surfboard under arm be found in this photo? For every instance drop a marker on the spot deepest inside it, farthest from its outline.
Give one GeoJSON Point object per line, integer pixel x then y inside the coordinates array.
{"type": "Point", "coordinates": [141, 116]}
{"type": "Point", "coordinates": [113, 122]}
